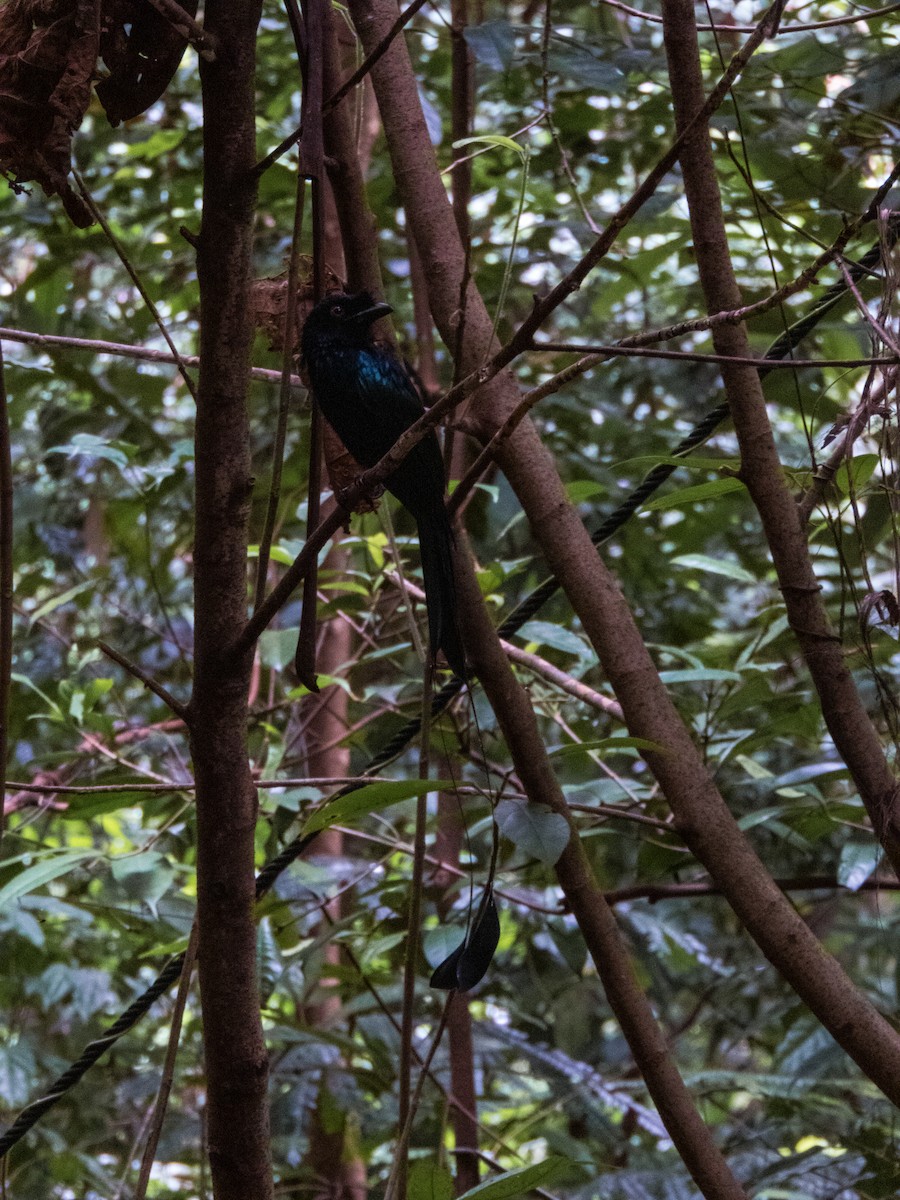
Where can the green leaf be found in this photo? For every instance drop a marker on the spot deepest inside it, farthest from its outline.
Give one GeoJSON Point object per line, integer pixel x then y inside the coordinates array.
{"type": "Point", "coordinates": [715, 566]}
{"type": "Point", "coordinates": [43, 872]}
{"type": "Point", "coordinates": [492, 139]}
{"type": "Point", "coordinates": [376, 947]}
{"type": "Point", "coordinates": [493, 43]}
{"type": "Point", "coordinates": [371, 798]}
{"type": "Point", "coordinates": [808, 772]}
{"type": "Point", "coordinates": [857, 863]}
{"type": "Point", "coordinates": [534, 829]}
{"type": "Point", "coordinates": [690, 462]}
{"type": "Point", "coordinates": [277, 554]}
{"type": "Point", "coordinates": [545, 633]}
{"type": "Point", "coordinates": [157, 144]}
{"type": "Point", "coordinates": [86, 805]}
{"type": "Point", "coordinates": [856, 473]}
{"type": "Point", "coordinates": [54, 711]}
{"type": "Point", "coordinates": [440, 942]}
{"type": "Point", "coordinates": [428, 1180]}
{"type": "Point", "coordinates": [614, 745]}
{"type": "Point", "coordinates": [585, 489]}
{"type": "Point", "coordinates": [91, 446]}
{"type": "Point", "coordinates": [580, 68]}
{"type": "Point", "coordinates": [519, 1181]}
{"type": "Point", "coordinates": [276, 648]}
{"type": "Point", "coordinates": [56, 602]}
{"type": "Point", "coordinates": [685, 497]}
{"type": "Point", "coordinates": [700, 675]}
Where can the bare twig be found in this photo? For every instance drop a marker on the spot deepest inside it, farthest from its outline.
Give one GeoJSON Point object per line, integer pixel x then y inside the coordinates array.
{"type": "Point", "coordinates": [560, 679]}
{"type": "Point", "coordinates": [372, 58]}
{"type": "Point", "coordinates": [284, 395]}
{"type": "Point", "coordinates": [122, 350]}
{"type": "Point", "coordinates": [165, 1084]}
{"type": "Point", "coordinates": [347, 86]}
{"type": "Point", "coordinates": [790, 364]}
{"type": "Point", "coordinates": [868, 14]}
{"type": "Point", "coordinates": [136, 280]}
{"type": "Point", "coordinates": [177, 707]}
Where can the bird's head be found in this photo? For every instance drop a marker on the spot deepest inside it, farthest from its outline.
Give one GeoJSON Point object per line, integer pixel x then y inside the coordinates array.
{"type": "Point", "coordinates": [351, 313]}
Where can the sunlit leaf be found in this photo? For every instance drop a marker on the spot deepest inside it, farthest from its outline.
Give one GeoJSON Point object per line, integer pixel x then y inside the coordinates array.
{"type": "Point", "coordinates": [519, 1181]}
{"type": "Point", "coordinates": [371, 798]}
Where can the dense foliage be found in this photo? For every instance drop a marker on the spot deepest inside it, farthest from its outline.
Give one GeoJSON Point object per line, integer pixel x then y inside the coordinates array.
{"type": "Point", "coordinates": [97, 888]}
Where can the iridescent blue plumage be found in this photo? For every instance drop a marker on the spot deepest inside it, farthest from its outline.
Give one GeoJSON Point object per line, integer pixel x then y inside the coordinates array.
{"type": "Point", "coordinates": [367, 396]}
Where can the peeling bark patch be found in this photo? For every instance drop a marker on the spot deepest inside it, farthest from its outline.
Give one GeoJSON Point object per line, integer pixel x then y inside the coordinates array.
{"type": "Point", "coordinates": [49, 51]}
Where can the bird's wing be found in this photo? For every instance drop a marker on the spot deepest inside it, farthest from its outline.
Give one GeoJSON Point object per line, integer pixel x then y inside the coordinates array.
{"type": "Point", "coordinates": [386, 391]}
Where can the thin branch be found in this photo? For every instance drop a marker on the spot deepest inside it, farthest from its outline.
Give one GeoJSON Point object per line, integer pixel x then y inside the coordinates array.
{"type": "Point", "coordinates": [372, 58]}
{"type": "Point", "coordinates": [318, 781]}
{"type": "Point", "coordinates": [794, 883]}
{"type": "Point", "coordinates": [347, 86]}
{"type": "Point", "coordinates": [407, 1105]}
{"type": "Point", "coordinates": [396, 1184]}
{"type": "Point", "coordinates": [870, 14]}
{"type": "Point", "coordinates": [136, 280]}
{"type": "Point", "coordinates": [540, 666]}
{"type": "Point", "coordinates": [622, 814]}
{"type": "Point", "coordinates": [310, 40]}
{"type": "Point", "coordinates": [123, 350]}
{"type": "Point", "coordinates": [284, 396]}
{"type": "Point", "coordinates": [168, 1074]}
{"type": "Point", "coordinates": [853, 428]}
{"type": "Point", "coordinates": [177, 707]}
{"type": "Point", "coordinates": [863, 309]}
{"type": "Point", "coordinates": [791, 364]}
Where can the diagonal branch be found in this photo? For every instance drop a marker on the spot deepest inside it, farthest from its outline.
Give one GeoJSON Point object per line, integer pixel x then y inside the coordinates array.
{"type": "Point", "coordinates": [701, 815]}
{"type": "Point", "coordinates": [845, 715]}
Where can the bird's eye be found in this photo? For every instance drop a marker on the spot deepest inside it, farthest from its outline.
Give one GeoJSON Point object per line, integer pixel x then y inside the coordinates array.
{"type": "Point", "coordinates": [337, 310]}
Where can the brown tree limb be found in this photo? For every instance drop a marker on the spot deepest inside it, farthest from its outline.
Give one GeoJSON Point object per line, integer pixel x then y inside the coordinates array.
{"type": "Point", "coordinates": [357, 224]}
{"type": "Point", "coordinates": [631, 1007]}
{"type": "Point", "coordinates": [701, 814]}
{"type": "Point", "coordinates": [700, 887]}
{"type": "Point", "coordinates": [845, 715]}
{"type": "Point", "coordinates": [235, 1052]}
{"type": "Point", "coordinates": [374, 55]}
{"type": "Point", "coordinates": [405, 1101]}
{"type": "Point", "coordinates": [311, 164]}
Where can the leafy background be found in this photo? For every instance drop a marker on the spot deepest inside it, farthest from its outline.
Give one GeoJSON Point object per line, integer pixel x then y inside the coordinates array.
{"type": "Point", "coordinates": [96, 889]}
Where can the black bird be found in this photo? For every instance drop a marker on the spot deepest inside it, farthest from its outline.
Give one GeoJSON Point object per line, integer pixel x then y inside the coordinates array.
{"type": "Point", "coordinates": [367, 396]}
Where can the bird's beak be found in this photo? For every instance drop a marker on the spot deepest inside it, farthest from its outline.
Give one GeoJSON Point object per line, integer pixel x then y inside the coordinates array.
{"type": "Point", "coordinates": [373, 313]}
